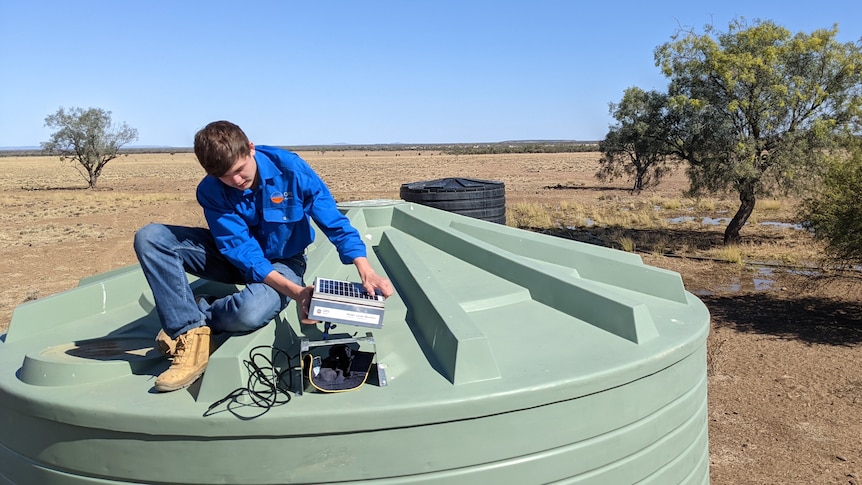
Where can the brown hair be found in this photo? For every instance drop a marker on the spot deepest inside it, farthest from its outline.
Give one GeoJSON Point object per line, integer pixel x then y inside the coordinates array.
{"type": "Point", "coordinates": [219, 145]}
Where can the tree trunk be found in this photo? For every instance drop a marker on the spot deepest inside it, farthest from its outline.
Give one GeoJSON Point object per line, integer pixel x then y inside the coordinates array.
{"type": "Point", "coordinates": [639, 179]}
{"type": "Point", "coordinates": [94, 176]}
{"type": "Point", "coordinates": [747, 200]}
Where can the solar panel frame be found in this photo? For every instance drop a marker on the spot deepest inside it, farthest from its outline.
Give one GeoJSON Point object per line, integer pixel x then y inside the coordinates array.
{"type": "Point", "coordinates": [339, 301]}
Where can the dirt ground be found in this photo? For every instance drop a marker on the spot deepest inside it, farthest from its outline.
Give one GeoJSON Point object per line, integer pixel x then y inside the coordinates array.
{"type": "Point", "coordinates": [785, 348]}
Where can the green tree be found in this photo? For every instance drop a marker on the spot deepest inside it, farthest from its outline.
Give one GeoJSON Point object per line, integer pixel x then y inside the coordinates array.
{"type": "Point", "coordinates": [835, 211]}
{"type": "Point", "coordinates": [88, 138]}
{"type": "Point", "coordinates": [636, 145]}
{"type": "Point", "coordinates": [755, 109]}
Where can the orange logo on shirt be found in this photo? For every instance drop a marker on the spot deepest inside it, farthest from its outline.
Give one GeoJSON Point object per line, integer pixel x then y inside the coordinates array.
{"type": "Point", "coordinates": [276, 197]}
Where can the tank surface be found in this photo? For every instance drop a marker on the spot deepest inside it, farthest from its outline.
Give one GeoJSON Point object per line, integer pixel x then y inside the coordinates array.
{"type": "Point", "coordinates": [509, 357]}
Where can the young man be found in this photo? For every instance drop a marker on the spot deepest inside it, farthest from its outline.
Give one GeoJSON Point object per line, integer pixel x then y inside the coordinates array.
{"type": "Point", "coordinates": [257, 202]}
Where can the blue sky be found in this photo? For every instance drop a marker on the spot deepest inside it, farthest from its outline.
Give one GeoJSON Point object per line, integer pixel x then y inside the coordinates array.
{"type": "Point", "coordinates": [359, 72]}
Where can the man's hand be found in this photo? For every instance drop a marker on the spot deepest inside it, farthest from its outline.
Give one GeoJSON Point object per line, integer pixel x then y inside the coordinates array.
{"type": "Point", "coordinates": [371, 281]}
{"type": "Point", "coordinates": [303, 302]}
{"type": "Point", "coordinates": [302, 295]}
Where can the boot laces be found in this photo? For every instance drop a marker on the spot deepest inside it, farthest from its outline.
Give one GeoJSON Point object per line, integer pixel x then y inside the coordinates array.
{"type": "Point", "coordinates": [180, 352]}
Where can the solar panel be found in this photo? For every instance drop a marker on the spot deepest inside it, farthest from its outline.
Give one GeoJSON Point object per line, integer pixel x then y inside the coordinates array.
{"type": "Point", "coordinates": [338, 301]}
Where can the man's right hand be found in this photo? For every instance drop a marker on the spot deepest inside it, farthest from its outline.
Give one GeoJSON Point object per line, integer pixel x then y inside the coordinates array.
{"type": "Point", "coordinates": [302, 295]}
{"type": "Point", "coordinates": [303, 301]}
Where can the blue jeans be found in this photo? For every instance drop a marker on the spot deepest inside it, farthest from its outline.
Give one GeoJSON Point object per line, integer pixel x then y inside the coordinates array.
{"type": "Point", "coordinates": [167, 253]}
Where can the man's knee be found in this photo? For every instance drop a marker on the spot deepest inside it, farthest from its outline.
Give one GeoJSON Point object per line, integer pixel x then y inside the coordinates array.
{"type": "Point", "coordinates": [145, 236]}
{"type": "Point", "coordinates": [248, 310]}
{"type": "Point", "coordinates": [244, 324]}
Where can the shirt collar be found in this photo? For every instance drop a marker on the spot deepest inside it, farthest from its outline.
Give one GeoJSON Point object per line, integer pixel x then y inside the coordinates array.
{"type": "Point", "coordinates": [266, 170]}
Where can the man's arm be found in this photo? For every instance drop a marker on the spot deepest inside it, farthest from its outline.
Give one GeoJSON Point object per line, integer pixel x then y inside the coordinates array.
{"type": "Point", "coordinates": [300, 294]}
{"type": "Point", "coordinates": [371, 280]}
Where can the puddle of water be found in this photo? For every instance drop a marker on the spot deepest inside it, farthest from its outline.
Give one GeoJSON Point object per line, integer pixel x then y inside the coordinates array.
{"type": "Point", "coordinates": [707, 221]}
{"type": "Point", "coordinates": [766, 271]}
{"type": "Point", "coordinates": [761, 281]}
{"type": "Point", "coordinates": [715, 221]}
{"type": "Point", "coordinates": [784, 225]}
{"type": "Point", "coordinates": [804, 272]}
{"type": "Point", "coordinates": [587, 223]}
{"type": "Point", "coordinates": [733, 287]}
{"type": "Point", "coordinates": [763, 284]}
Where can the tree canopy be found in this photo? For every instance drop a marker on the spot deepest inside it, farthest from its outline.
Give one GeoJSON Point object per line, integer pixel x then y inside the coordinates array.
{"type": "Point", "coordinates": [88, 138]}
{"type": "Point", "coordinates": [835, 211]}
{"type": "Point", "coordinates": [636, 145]}
{"type": "Point", "coordinates": [756, 109]}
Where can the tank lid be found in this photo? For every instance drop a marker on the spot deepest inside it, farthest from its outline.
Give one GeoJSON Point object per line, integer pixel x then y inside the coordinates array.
{"type": "Point", "coordinates": [452, 184]}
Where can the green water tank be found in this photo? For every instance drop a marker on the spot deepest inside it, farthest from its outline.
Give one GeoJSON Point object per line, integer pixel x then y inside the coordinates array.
{"type": "Point", "coordinates": [508, 357]}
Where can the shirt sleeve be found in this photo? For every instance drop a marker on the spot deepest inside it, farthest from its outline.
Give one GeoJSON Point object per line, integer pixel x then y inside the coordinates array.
{"type": "Point", "coordinates": [231, 233]}
{"type": "Point", "coordinates": [321, 206]}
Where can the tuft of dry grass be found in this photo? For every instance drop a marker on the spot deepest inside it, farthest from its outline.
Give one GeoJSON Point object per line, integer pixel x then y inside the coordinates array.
{"type": "Point", "coordinates": [660, 244]}
{"type": "Point", "coordinates": [626, 243]}
{"type": "Point", "coordinates": [705, 205]}
{"type": "Point", "coordinates": [532, 215]}
{"type": "Point", "coordinates": [667, 204]}
{"type": "Point", "coordinates": [730, 253]}
{"type": "Point", "coordinates": [768, 205]}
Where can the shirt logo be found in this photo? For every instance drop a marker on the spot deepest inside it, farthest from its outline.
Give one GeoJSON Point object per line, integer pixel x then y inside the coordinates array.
{"type": "Point", "coordinates": [276, 197]}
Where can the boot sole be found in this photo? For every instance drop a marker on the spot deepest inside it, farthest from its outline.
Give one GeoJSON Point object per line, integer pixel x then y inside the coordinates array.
{"type": "Point", "coordinates": [177, 387]}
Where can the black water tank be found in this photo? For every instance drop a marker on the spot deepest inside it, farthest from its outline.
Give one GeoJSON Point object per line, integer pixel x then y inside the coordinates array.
{"type": "Point", "coordinates": [480, 199]}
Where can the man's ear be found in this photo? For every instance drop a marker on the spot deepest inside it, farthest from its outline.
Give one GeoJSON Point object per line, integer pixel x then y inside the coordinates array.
{"type": "Point", "coordinates": [251, 147]}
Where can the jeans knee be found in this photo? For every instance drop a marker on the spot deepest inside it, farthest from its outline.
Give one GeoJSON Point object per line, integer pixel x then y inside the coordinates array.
{"type": "Point", "coordinates": [246, 314]}
{"type": "Point", "coordinates": [242, 324]}
{"type": "Point", "coordinates": [145, 236]}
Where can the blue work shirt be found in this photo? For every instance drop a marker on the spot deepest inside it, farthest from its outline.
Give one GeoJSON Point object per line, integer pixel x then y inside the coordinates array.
{"type": "Point", "coordinates": [254, 227]}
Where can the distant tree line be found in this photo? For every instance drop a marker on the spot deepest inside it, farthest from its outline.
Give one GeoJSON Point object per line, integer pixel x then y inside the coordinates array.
{"type": "Point", "coordinates": [520, 147]}
{"type": "Point", "coordinates": [448, 148]}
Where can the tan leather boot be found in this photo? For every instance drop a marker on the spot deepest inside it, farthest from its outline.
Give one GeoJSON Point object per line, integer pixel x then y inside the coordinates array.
{"type": "Point", "coordinates": [165, 344]}
{"type": "Point", "coordinates": [191, 356]}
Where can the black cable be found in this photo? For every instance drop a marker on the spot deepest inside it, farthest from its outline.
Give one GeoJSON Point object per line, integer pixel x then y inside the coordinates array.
{"type": "Point", "coordinates": [265, 384]}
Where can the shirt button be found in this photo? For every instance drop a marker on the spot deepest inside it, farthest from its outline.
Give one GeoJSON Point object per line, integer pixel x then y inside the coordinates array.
{"type": "Point", "coordinates": [284, 218]}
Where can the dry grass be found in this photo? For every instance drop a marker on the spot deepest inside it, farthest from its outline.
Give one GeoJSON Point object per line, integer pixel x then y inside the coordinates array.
{"type": "Point", "coordinates": [768, 205]}
{"type": "Point", "coordinates": [526, 214]}
{"type": "Point", "coordinates": [729, 253]}
{"type": "Point", "coordinates": [677, 226]}
{"type": "Point", "coordinates": [625, 243]}
{"type": "Point", "coordinates": [668, 204]}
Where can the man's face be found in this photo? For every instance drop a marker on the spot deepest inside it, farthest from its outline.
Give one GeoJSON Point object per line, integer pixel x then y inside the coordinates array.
{"type": "Point", "coordinates": [242, 173]}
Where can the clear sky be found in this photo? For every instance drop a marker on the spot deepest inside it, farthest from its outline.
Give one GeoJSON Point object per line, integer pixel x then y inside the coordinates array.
{"type": "Point", "coordinates": [358, 72]}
